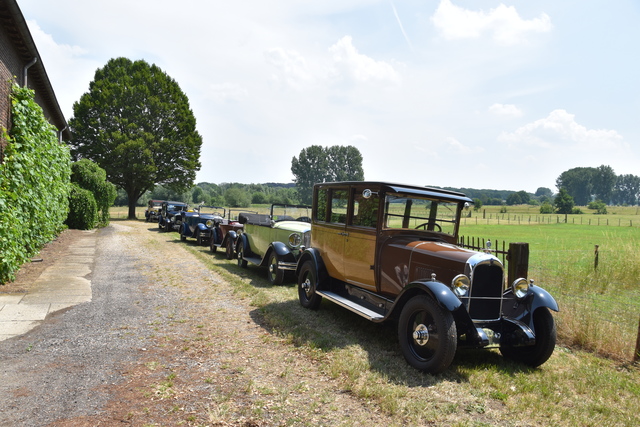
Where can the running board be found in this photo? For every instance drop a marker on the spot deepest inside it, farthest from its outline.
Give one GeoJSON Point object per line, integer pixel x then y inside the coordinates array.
{"type": "Point", "coordinates": [350, 305]}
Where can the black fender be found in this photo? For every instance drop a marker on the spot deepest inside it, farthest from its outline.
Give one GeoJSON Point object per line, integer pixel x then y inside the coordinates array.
{"type": "Point", "coordinates": [444, 297]}
{"type": "Point", "coordinates": [230, 235]}
{"type": "Point", "coordinates": [282, 252]}
{"type": "Point", "coordinates": [242, 240]}
{"type": "Point", "coordinates": [522, 310]}
{"type": "Point", "coordinates": [314, 256]}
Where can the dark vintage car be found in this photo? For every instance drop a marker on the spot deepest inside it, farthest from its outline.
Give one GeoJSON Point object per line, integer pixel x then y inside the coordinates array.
{"type": "Point", "coordinates": [169, 218]}
{"type": "Point", "coordinates": [200, 222]}
{"type": "Point", "coordinates": [152, 212]}
{"type": "Point", "coordinates": [388, 251]}
{"type": "Point", "coordinates": [275, 240]}
{"type": "Point", "coordinates": [225, 233]}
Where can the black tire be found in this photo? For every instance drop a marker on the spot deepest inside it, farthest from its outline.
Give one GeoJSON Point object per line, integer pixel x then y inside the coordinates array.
{"type": "Point", "coordinates": [540, 352]}
{"type": "Point", "coordinates": [427, 335]}
{"type": "Point", "coordinates": [307, 285]}
{"type": "Point", "coordinates": [230, 250]}
{"type": "Point", "coordinates": [274, 274]}
{"type": "Point", "coordinates": [199, 239]}
{"type": "Point", "coordinates": [240, 252]}
{"type": "Point", "coordinates": [182, 236]}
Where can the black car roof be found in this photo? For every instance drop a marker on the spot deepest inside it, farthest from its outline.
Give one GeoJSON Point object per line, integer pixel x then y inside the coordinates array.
{"type": "Point", "coordinates": [387, 187]}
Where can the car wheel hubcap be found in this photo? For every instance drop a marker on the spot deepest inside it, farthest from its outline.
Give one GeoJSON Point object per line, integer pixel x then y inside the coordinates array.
{"type": "Point", "coordinates": [421, 335]}
{"type": "Point", "coordinates": [306, 287]}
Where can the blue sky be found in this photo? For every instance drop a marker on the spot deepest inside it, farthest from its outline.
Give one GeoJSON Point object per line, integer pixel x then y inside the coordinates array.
{"type": "Point", "coordinates": [480, 94]}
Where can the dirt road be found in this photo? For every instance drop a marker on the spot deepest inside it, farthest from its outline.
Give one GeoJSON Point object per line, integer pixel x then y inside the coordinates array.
{"type": "Point", "coordinates": [163, 342]}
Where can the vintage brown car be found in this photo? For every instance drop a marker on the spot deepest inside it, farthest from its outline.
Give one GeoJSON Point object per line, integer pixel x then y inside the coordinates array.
{"type": "Point", "coordinates": [389, 252]}
{"type": "Point", "coordinates": [225, 232]}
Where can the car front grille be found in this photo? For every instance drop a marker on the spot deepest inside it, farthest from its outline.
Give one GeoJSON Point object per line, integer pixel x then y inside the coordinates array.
{"type": "Point", "coordinates": [485, 297]}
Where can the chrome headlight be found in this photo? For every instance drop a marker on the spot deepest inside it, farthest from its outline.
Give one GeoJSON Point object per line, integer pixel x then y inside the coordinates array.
{"type": "Point", "coordinates": [520, 288]}
{"type": "Point", "coordinates": [460, 285]}
{"type": "Point", "coordinates": [209, 223]}
{"type": "Point", "coordinates": [173, 219]}
{"type": "Point", "coordinates": [294, 240]}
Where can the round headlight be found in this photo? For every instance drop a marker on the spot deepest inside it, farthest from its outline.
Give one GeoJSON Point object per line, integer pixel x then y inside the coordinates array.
{"type": "Point", "coordinates": [294, 240]}
{"type": "Point", "coordinates": [209, 223]}
{"type": "Point", "coordinates": [460, 285]}
{"type": "Point", "coordinates": [520, 288]}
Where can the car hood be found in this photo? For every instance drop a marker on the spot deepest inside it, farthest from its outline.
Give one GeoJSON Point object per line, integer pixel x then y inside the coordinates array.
{"type": "Point", "coordinates": [299, 226]}
{"type": "Point", "coordinates": [405, 260]}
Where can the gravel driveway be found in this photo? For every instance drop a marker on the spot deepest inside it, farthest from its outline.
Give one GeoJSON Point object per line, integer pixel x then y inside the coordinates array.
{"type": "Point", "coordinates": [163, 342]}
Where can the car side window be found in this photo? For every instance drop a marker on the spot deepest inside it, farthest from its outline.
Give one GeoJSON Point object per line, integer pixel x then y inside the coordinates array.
{"type": "Point", "coordinates": [365, 210]}
{"type": "Point", "coordinates": [339, 202]}
{"type": "Point", "coordinates": [321, 205]}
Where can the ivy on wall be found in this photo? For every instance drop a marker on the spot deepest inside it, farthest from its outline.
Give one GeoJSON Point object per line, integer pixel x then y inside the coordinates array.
{"type": "Point", "coordinates": [34, 184]}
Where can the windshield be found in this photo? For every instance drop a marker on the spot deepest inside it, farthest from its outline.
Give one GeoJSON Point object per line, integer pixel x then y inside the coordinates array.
{"type": "Point", "coordinates": [291, 213]}
{"type": "Point", "coordinates": [415, 213]}
{"type": "Point", "coordinates": [211, 210]}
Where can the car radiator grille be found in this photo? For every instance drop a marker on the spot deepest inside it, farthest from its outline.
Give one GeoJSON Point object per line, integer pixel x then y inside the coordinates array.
{"type": "Point", "coordinates": [485, 298]}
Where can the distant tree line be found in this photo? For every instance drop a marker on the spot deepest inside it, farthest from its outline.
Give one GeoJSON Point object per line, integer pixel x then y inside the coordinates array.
{"type": "Point", "coordinates": [232, 195]}
{"type": "Point", "coordinates": [587, 184]}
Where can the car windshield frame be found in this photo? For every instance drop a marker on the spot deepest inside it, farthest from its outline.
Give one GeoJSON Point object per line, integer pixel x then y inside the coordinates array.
{"type": "Point", "coordinates": [283, 212]}
{"type": "Point", "coordinates": [412, 212]}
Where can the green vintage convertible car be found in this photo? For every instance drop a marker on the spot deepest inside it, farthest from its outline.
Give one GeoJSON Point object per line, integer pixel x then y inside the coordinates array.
{"type": "Point", "coordinates": [274, 240]}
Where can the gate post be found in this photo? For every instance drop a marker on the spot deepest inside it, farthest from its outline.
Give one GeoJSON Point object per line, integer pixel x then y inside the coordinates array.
{"type": "Point", "coordinates": [518, 258]}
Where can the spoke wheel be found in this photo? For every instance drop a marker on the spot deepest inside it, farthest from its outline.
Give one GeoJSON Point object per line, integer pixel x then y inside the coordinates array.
{"type": "Point", "coordinates": [307, 285]}
{"type": "Point", "coordinates": [275, 274]}
{"type": "Point", "coordinates": [540, 352]}
{"type": "Point", "coordinates": [230, 250]}
{"type": "Point", "coordinates": [427, 335]}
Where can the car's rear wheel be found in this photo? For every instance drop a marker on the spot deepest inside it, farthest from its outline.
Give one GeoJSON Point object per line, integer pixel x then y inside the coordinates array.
{"type": "Point", "coordinates": [240, 252]}
{"type": "Point", "coordinates": [230, 251]}
{"type": "Point", "coordinates": [427, 335]}
{"type": "Point", "coordinates": [540, 352]}
{"type": "Point", "coordinates": [275, 274]}
{"type": "Point", "coordinates": [307, 285]}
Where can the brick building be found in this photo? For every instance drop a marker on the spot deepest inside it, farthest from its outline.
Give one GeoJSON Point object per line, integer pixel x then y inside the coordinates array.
{"type": "Point", "coordinates": [20, 62]}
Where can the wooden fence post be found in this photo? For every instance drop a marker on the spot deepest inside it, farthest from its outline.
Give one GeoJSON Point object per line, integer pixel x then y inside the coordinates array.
{"type": "Point", "coordinates": [597, 255]}
{"type": "Point", "coordinates": [518, 258]}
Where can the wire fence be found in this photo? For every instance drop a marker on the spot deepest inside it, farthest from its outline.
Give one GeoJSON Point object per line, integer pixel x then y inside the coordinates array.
{"type": "Point", "coordinates": [524, 219]}
{"type": "Point", "coordinates": [608, 324]}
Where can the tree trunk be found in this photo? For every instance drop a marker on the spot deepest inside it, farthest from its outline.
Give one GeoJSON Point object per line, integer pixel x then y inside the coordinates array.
{"type": "Point", "coordinates": [133, 197]}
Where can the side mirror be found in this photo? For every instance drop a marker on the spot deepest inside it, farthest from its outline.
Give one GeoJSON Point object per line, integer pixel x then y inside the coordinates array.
{"type": "Point", "coordinates": [368, 193]}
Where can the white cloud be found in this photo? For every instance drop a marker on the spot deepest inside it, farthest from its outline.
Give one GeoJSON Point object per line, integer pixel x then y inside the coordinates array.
{"type": "Point", "coordinates": [352, 66]}
{"type": "Point", "coordinates": [503, 23]}
{"type": "Point", "coordinates": [559, 128]}
{"type": "Point", "coordinates": [508, 110]}
{"type": "Point", "coordinates": [461, 148]}
{"type": "Point", "coordinates": [292, 69]}
{"type": "Point", "coordinates": [228, 92]}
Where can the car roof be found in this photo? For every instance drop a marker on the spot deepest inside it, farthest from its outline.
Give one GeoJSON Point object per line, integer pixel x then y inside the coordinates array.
{"type": "Point", "coordinates": [387, 187]}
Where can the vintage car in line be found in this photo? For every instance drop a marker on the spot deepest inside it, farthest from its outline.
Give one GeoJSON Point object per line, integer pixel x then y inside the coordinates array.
{"type": "Point", "coordinates": [225, 233]}
{"type": "Point", "coordinates": [200, 222]}
{"type": "Point", "coordinates": [169, 218]}
{"type": "Point", "coordinates": [388, 252]}
{"type": "Point", "coordinates": [274, 240]}
{"type": "Point", "coordinates": [152, 212]}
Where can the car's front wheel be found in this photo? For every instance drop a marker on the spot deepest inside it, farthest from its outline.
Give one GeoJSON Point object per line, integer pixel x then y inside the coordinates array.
{"type": "Point", "coordinates": [275, 274]}
{"type": "Point", "coordinates": [307, 285]}
{"type": "Point", "coordinates": [183, 236]}
{"type": "Point", "coordinates": [427, 335]}
{"type": "Point", "coordinates": [199, 240]}
{"type": "Point", "coordinates": [230, 250]}
{"type": "Point", "coordinates": [540, 352]}
{"type": "Point", "coordinates": [240, 252]}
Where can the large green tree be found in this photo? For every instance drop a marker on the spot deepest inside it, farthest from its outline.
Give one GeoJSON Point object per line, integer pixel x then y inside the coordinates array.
{"type": "Point", "coordinates": [319, 164]}
{"type": "Point", "coordinates": [135, 122]}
